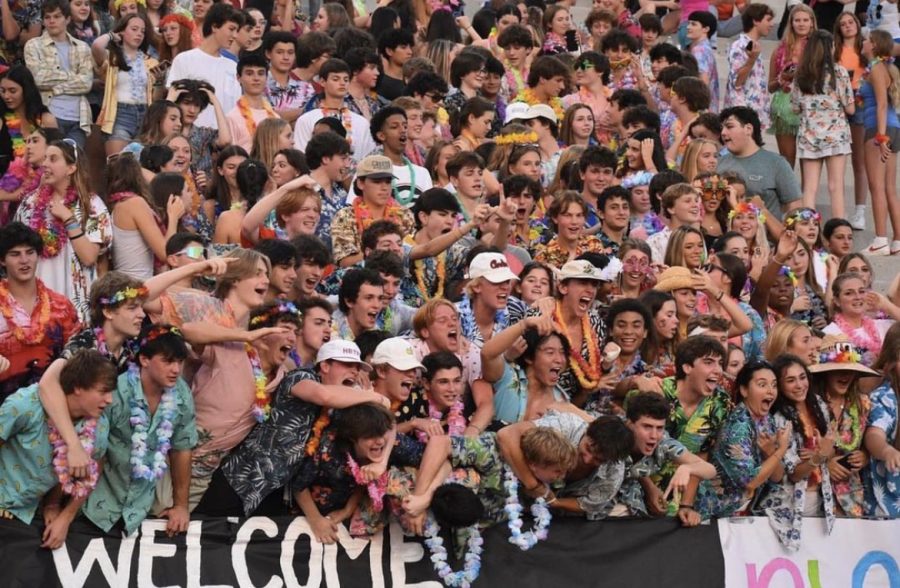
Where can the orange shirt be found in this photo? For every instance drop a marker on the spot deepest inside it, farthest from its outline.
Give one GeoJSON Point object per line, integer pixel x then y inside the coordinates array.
{"type": "Point", "coordinates": [851, 61]}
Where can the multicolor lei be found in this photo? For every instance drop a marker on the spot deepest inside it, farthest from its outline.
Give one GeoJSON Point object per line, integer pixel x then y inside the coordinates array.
{"type": "Point", "coordinates": [456, 422]}
{"type": "Point", "coordinates": [37, 330]}
{"type": "Point", "coordinates": [77, 488]}
{"type": "Point", "coordinates": [363, 214]}
{"type": "Point", "coordinates": [514, 78]}
{"type": "Point", "coordinates": [52, 231]}
{"type": "Point", "coordinates": [513, 509]}
{"type": "Point", "coordinates": [856, 429]}
{"type": "Point", "coordinates": [376, 488]}
{"type": "Point", "coordinates": [439, 273]}
{"type": "Point", "coordinates": [472, 567]}
{"type": "Point", "coordinates": [21, 174]}
{"type": "Point", "coordinates": [140, 422]}
{"type": "Point", "coordinates": [261, 407]}
{"type": "Point", "coordinates": [588, 370]}
{"type": "Point", "coordinates": [14, 128]}
{"type": "Point", "coordinates": [123, 295]}
{"type": "Point", "coordinates": [871, 343]}
{"type": "Point", "coordinates": [244, 109]}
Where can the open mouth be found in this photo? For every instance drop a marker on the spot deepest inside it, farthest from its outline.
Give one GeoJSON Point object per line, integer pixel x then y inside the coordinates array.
{"type": "Point", "coordinates": [310, 284]}
{"type": "Point", "coordinates": [348, 381]}
{"type": "Point", "coordinates": [453, 337]}
{"type": "Point", "coordinates": [766, 404]}
{"type": "Point", "coordinates": [501, 299]}
{"type": "Point", "coordinates": [285, 349]}
{"type": "Point", "coordinates": [522, 211]}
{"type": "Point", "coordinates": [376, 451]}
{"type": "Point", "coordinates": [554, 373]}
{"type": "Point", "coordinates": [406, 386]}
{"type": "Point", "coordinates": [584, 303]}
{"type": "Point", "coordinates": [261, 290]}
{"type": "Point", "coordinates": [371, 316]}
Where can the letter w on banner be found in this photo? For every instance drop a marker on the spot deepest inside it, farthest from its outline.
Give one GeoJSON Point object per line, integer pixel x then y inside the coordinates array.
{"type": "Point", "coordinates": [858, 554]}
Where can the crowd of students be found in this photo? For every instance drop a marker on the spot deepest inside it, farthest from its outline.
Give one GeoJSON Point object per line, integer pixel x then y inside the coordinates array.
{"type": "Point", "coordinates": [359, 273]}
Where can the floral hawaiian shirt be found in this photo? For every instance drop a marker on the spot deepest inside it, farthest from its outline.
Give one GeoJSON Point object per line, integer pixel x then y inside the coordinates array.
{"type": "Point", "coordinates": [631, 494]}
{"type": "Point", "coordinates": [883, 486]}
{"type": "Point", "coordinates": [755, 91]}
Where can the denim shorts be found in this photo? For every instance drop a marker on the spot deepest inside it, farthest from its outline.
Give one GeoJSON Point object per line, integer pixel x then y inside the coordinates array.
{"type": "Point", "coordinates": [129, 118]}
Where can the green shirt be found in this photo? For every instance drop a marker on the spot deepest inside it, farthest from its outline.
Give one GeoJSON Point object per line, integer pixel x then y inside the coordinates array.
{"type": "Point", "coordinates": [118, 495]}
{"type": "Point", "coordinates": [26, 456]}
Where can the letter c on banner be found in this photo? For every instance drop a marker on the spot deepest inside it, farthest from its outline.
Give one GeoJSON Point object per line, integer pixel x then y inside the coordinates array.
{"type": "Point", "coordinates": [876, 558]}
{"type": "Point", "coordinates": [239, 550]}
{"type": "Point", "coordinates": [770, 569]}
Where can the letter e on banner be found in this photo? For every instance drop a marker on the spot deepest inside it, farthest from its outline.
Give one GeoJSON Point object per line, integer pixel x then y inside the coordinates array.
{"type": "Point", "coordinates": [150, 549]}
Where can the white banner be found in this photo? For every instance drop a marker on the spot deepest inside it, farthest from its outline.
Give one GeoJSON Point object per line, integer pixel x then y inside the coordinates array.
{"type": "Point", "coordinates": [857, 554]}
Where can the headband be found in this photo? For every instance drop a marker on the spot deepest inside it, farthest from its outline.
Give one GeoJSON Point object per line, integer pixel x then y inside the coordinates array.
{"type": "Point", "coordinates": [157, 331]}
{"type": "Point", "coordinates": [786, 271]}
{"type": "Point", "coordinates": [805, 214]}
{"type": "Point", "coordinates": [123, 295]}
{"type": "Point", "coordinates": [747, 208]}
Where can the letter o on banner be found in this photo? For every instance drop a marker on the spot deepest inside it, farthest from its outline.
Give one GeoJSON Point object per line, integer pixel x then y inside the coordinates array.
{"type": "Point", "coordinates": [876, 558]}
{"type": "Point", "coordinates": [297, 528]}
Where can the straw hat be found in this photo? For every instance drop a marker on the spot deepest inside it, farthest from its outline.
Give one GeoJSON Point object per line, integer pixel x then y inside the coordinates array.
{"type": "Point", "coordinates": [838, 354]}
{"type": "Point", "coordinates": [675, 278]}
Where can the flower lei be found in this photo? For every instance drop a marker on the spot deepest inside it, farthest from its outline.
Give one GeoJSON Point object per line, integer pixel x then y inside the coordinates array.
{"type": "Point", "coordinates": [284, 307]}
{"type": "Point", "coordinates": [553, 44]}
{"type": "Point", "coordinates": [376, 488]}
{"type": "Point", "coordinates": [855, 430]}
{"type": "Point", "coordinates": [14, 127]}
{"type": "Point", "coordinates": [529, 138]}
{"type": "Point", "coordinates": [440, 275]}
{"type": "Point", "coordinates": [527, 95]}
{"type": "Point", "coordinates": [123, 295]}
{"type": "Point", "coordinates": [38, 329]}
{"type": "Point", "coordinates": [245, 112]}
{"type": "Point", "coordinates": [78, 488]}
{"type": "Point", "coordinates": [140, 422]}
{"type": "Point", "coordinates": [514, 78]}
{"type": "Point", "coordinates": [472, 567]}
{"type": "Point", "coordinates": [100, 337]}
{"type": "Point", "coordinates": [18, 173]}
{"type": "Point", "coordinates": [318, 427]}
{"type": "Point", "coordinates": [586, 370]}
{"type": "Point", "coordinates": [871, 342]}
{"type": "Point", "coordinates": [513, 509]}
{"type": "Point", "coordinates": [786, 271]}
{"type": "Point", "coordinates": [363, 215]}
{"type": "Point", "coordinates": [261, 407]}
{"type": "Point", "coordinates": [747, 208]}
{"type": "Point", "coordinates": [456, 422]}
{"type": "Point", "coordinates": [51, 229]}
{"type": "Point", "coordinates": [346, 117]}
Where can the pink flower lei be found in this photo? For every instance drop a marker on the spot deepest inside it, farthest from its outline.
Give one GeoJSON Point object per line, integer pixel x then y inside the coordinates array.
{"type": "Point", "coordinates": [77, 488]}
{"type": "Point", "coordinates": [456, 422]}
{"type": "Point", "coordinates": [871, 342]}
{"type": "Point", "coordinates": [377, 489]}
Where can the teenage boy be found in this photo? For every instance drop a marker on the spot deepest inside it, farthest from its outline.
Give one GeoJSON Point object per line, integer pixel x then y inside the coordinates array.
{"type": "Point", "coordinates": [466, 173]}
{"type": "Point", "coordinates": [389, 128]}
{"type": "Point", "coordinates": [359, 302]}
{"type": "Point", "coordinates": [285, 260]}
{"type": "Point", "coordinates": [335, 76]}
{"type": "Point", "coordinates": [547, 79]}
{"type": "Point", "coordinates": [182, 250]}
{"type": "Point", "coordinates": [315, 331]}
{"type": "Point", "coordinates": [516, 43]}
{"type": "Point", "coordinates": [747, 83]}
{"type": "Point", "coordinates": [27, 449]}
{"type": "Point", "coordinates": [429, 89]}
{"type": "Point", "coordinates": [328, 156]}
{"type": "Point", "coordinates": [592, 481]}
{"type": "Point", "coordinates": [314, 258]}
{"type": "Point", "coordinates": [597, 167]}
{"type": "Point", "coordinates": [766, 173]}
{"type": "Point", "coordinates": [688, 98]}
{"type": "Point", "coordinates": [36, 322]}
{"type": "Point", "coordinates": [487, 306]}
{"type": "Point", "coordinates": [395, 370]}
{"type": "Point", "coordinates": [313, 50]}
{"type": "Point", "coordinates": [152, 412]}
{"type": "Point", "coordinates": [361, 96]}
{"type": "Point", "coordinates": [395, 316]}
{"type": "Point", "coordinates": [415, 118]}
{"type": "Point", "coordinates": [614, 210]}
{"type": "Point", "coordinates": [287, 95]}
{"type": "Point", "coordinates": [373, 185]}
{"type": "Point", "coordinates": [395, 48]}
{"type": "Point", "coordinates": [252, 107]}
{"type": "Point", "coordinates": [620, 101]}
{"type": "Point", "coordinates": [63, 70]}
{"type": "Point", "coordinates": [665, 80]}
{"type": "Point", "coordinates": [652, 451]}
{"type": "Point", "coordinates": [250, 481]}
{"type": "Point", "coordinates": [207, 63]}
{"type": "Point", "coordinates": [701, 26]}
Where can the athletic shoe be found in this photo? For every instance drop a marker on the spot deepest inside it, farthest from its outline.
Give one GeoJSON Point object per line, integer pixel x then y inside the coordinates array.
{"type": "Point", "coordinates": [858, 222]}
{"type": "Point", "coordinates": [879, 251]}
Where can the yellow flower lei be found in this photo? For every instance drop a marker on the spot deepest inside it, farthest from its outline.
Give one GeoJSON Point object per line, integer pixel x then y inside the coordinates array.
{"type": "Point", "coordinates": [587, 371]}
{"type": "Point", "coordinates": [527, 96]}
{"type": "Point", "coordinates": [517, 139]}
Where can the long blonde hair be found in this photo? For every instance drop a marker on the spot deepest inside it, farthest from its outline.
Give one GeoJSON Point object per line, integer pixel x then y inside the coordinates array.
{"type": "Point", "coordinates": [790, 37]}
{"type": "Point", "coordinates": [883, 46]}
{"type": "Point", "coordinates": [265, 141]}
{"type": "Point", "coordinates": [691, 155]}
{"type": "Point", "coordinates": [780, 338]}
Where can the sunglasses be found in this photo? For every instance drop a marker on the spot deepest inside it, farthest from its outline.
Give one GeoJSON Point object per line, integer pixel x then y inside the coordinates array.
{"type": "Point", "coordinates": [584, 65]}
{"type": "Point", "coordinates": [709, 267]}
{"type": "Point", "coordinates": [195, 252]}
{"type": "Point", "coordinates": [436, 98]}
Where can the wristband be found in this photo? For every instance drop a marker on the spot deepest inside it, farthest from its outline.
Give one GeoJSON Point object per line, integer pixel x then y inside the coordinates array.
{"type": "Point", "coordinates": [687, 506]}
{"type": "Point", "coordinates": [73, 227]}
{"type": "Point", "coordinates": [721, 294]}
{"type": "Point", "coordinates": [779, 262]}
{"type": "Point", "coordinates": [69, 220]}
{"type": "Point", "coordinates": [881, 139]}
{"type": "Point", "coordinates": [78, 236]}
{"type": "Point", "coordinates": [550, 502]}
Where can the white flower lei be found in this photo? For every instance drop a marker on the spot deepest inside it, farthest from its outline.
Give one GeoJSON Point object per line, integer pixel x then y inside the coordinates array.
{"type": "Point", "coordinates": [513, 509]}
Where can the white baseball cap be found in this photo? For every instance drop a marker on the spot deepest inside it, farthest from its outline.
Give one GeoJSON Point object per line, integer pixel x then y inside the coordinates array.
{"type": "Point", "coordinates": [579, 269]}
{"type": "Point", "coordinates": [493, 267]}
{"type": "Point", "coordinates": [398, 353]}
{"type": "Point", "coordinates": [516, 111]}
{"type": "Point", "coordinates": [342, 351]}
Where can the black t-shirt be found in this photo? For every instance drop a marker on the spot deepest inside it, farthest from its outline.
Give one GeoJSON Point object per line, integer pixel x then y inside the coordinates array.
{"type": "Point", "coordinates": [390, 88]}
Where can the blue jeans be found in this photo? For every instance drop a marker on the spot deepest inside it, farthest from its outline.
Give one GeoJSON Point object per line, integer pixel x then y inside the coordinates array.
{"type": "Point", "coordinates": [72, 130]}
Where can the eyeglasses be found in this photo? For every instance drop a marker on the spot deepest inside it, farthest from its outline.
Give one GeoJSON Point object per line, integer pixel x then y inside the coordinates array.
{"type": "Point", "coordinates": [195, 252]}
{"type": "Point", "coordinates": [711, 266]}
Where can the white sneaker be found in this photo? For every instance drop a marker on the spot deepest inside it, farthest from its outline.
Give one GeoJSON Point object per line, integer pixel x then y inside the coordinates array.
{"type": "Point", "coordinates": [858, 221]}
{"type": "Point", "coordinates": [877, 250]}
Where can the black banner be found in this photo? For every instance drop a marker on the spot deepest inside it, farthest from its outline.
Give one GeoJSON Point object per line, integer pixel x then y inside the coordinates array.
{"type": "Point", "coordinates": [264, 552]}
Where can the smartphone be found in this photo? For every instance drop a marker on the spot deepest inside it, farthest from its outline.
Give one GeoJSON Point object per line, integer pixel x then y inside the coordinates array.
{"type": "Point", "coordinates": [749, 46]}
{"type": "Point", "coordinates": [572, 41]}
{"type": "Point", "coordinates": [845, 461]}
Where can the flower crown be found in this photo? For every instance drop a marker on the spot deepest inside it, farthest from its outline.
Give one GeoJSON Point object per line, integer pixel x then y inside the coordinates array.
{"type": "Point", "coordinates": [123, 295]}
{"type": "Point", "coordinates": [786, 271]}
{"type": "Point", "coordinates": [181, 18]}
{"type": "Point", "coordinates": [747, 208]}
{"type": "Point", "coordinates": [274, 312]}
{"type": "Point", "coordinates": [805, 214]}
{"type": "Point", "coordinates": [641, 178]}
{"type": "Point", "coordinates": [157, 331]}
{"type": "Point", "coordinates": [529, 138]}
{"type": "Point", "coordinates": [841, 352]}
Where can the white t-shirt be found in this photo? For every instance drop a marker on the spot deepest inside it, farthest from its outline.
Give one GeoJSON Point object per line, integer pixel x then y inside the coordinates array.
{"type": "Point", "coordinates": [219, 71]}
{"type": "Point", "coordinates": [404, 193]}
{"type": "Point", "coordinates": [361, 142]}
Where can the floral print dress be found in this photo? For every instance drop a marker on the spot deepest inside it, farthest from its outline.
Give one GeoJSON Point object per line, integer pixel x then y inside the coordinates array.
{"type": "Point", "coordinates": [824, 130]}
{"type": "Point", "coordinates": [784, 503]}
